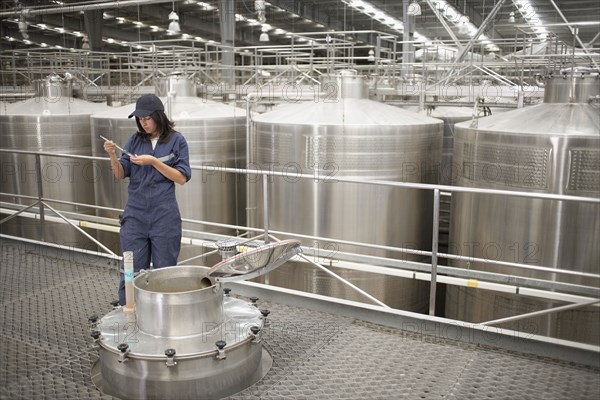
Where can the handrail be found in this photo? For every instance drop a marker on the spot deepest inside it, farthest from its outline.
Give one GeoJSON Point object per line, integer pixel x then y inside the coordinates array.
{"type": "Point", "coordinates": [266, 173]}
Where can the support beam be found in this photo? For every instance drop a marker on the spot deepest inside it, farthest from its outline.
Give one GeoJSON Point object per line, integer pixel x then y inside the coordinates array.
{"type": "Point", "coordinates": [489, 18]}
{"type": "Point", "coordinates": [574, 32]}
{"type": "Point", "coordinates": [93, 28]}
{"type": "Point", "coordinates": [440, 18]}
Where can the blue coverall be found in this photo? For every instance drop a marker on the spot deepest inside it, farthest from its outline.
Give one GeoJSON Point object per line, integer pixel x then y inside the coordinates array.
{"type": "Point", "coordinates": [151, 223]}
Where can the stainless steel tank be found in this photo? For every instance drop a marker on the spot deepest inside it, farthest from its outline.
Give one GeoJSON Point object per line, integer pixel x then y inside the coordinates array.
{"type": "Point", "coordinates": [450, 115]}
{"type": "Point", "coordinates": [344, 134]}
{"type": "Point", "coordinates": [187, 337]}
{"type": "Point", "coordinates": [553, 147]}
{"type": "Point", "coordinates": [448, 171]}
{"type": "Point", "coordinates": [52, 121]}
{"type": "Point", "coordinates": [215, 134]}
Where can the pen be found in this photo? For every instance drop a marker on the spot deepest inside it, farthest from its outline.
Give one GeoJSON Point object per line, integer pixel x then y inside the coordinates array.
{"type": "Point", "coordinates": [120, 148]}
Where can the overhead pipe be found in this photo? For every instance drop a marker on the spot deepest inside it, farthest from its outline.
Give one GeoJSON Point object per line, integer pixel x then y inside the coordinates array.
{"type": "Point", "coordinates": [407, 37]}
{"type": "Point", "coordinates": [227, 27]}
{"type": "Point", "coordinates": [28, 12]}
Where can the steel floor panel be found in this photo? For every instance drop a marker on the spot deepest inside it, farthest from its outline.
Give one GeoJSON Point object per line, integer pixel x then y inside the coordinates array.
{"type": "Point", "coordinates": [46, 350]}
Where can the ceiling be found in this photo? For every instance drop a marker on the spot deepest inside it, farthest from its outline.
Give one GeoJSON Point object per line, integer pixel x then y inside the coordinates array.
{"type": "Point", "coordinates": [114, 25]}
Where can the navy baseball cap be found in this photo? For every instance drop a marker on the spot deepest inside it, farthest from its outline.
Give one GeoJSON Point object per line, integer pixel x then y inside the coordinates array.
{"type": "Point", "coordinates": [146, 105]}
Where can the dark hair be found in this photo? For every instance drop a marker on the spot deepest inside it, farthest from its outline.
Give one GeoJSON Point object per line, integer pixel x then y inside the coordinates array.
{"type": "Point", "coordinates": [165, 126]}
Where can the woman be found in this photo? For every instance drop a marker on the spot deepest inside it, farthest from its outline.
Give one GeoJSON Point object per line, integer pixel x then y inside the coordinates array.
{"type": "Point", "coordinates": [156, 158]}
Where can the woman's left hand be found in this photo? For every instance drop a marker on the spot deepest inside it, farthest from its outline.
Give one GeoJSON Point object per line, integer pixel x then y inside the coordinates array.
{"type": "Point", "coordinates": [144, 159]}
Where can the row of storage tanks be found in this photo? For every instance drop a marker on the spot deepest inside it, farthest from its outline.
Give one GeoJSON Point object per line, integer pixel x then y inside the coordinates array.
{"type": "Point", "coordinates": [548, 148]}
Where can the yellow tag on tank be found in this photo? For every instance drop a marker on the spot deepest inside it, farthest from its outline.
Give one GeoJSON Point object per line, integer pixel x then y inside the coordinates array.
{"type": "Point", "coordinates": [472, 283]}
{"type": "Point", "coordinates": [83, 224]}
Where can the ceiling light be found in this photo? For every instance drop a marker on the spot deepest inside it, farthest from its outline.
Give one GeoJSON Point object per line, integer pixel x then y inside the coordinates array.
{"type": "Point", "coordinates": [264, 36]}
{"type": "Point", "coordinates": [532, 18]}
{"type": "Point", "coordinates": [174, 27]}
{"type": "Point", "coordinates": [511, 17]}
{"type": "Point", "coordinates": [23, 28]}
{"type": "Point", "coordinates": [371, 57]}
{"type": "Point", "coordinates": [375, 13]}
{"type": "Point", "coordinates": [463, 28]}
{"type": "Point", "coordinates": [205, 6]}
{"type": "Point", "coordinates": [414, 8]}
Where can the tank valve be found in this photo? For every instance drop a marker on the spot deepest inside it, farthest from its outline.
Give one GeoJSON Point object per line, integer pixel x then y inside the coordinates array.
{"type": "Point", "coordinates": [96, 335]}
{"type": "Point", "coordinates": [124, 349]}
{"type": "Point", "coordinates": [253, 300]}
{"type": "Point", "coordinates": [93, 320]}
{"type": "Point", "coordinates": [170, 353]}
{"type": "Point", "coordinates": [220, 352]}
{"type": "Point", "coordinates": [255, 334]}
{"type": "Point", "coordinates": [265, 313]}
{"type": "Point", "coordinates": [226, 291]}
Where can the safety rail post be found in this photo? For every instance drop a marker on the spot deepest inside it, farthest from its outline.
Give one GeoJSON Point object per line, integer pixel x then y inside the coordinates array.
{"type": "Point", "coordinates": [266, 207]}
{"type": "Point", "coordinates": [434, 250]}
{"type": "Point", "coordinates": [38, 176]}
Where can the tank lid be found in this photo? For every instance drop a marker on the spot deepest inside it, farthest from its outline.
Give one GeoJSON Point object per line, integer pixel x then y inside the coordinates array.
{"type": "Point", "coordinates": [175, 83]}
{"type": "Point", "coordinates": [344, 84]}
{"type": "Point", "coordinates": [575, 85]}
{"type": "Point", "coordinates": [255, 262]}
{"type": "Point", "coordinates": [54, 87]}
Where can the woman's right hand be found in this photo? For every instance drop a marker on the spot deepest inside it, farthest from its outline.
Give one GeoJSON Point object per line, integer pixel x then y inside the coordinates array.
{"type": "Point", "coordinates": [109, 147]}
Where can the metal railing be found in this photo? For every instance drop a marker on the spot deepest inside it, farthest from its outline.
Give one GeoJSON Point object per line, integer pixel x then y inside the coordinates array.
{"type": "Point", "coordinates": [394, 268]}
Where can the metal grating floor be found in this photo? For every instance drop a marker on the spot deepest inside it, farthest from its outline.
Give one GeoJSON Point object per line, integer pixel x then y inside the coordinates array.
{"type": "Point", "coordinates": [46, 350]}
